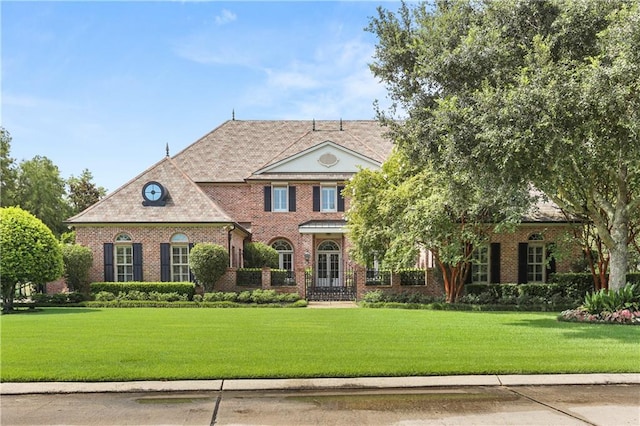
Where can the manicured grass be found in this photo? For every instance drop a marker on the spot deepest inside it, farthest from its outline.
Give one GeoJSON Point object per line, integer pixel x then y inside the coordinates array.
{"type": "Point", "coordinates": [82, 344]}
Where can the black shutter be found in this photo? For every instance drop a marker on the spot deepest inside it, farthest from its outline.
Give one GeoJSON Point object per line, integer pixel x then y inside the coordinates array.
{"type": "Point", "coordinates": [165, 262]}
{"type": "Point", "coordinates": [292, 198]}
{"type": "Point", "coordinates": [523, 251]}
{"type": "Point", "coordinates": [191, 279]}
{"type": "Point", "coordinates": [316, 198]}
{"type": "Point", "coordinates": [340, 198]}
{"type": "Point", "coordinates": [494, 268]}
{"type": "Point", "coordinates": [137, 262]}
{"type": "Point", "coordinates": [108, 262]}
{"type": "Point", "coordinates": [267, 198]}
{"type": "Point", "coordinates": [551, 261]}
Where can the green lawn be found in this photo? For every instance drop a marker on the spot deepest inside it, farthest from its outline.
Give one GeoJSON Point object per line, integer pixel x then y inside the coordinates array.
{"type": "Point", "coordinates": [82, 344]}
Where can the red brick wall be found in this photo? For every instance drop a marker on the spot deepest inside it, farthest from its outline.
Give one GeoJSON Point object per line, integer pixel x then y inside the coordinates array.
{"type": "Point", "coordinates": [509, 248]}
{"type": "Point", "coordinates": [151, 236]}
{"type": "Point", "coordinates": [245, 203]}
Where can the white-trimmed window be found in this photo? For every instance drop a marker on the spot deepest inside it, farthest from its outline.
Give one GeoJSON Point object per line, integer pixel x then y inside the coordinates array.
{"type": "Point", "coordinates": [480, 265]}
{"type": "Point", "coordinates": [179, 258]}
{"type": "Point", "coordinates": [285, 254]}
{"type": "Point", "coordinates": [280, 198]}
{"type": "Point", "coordinates": [536, 265]}
{"type": "Point", "coordinates": [328, 198]}
{"type": "Point", "coordinates": [124, 258]}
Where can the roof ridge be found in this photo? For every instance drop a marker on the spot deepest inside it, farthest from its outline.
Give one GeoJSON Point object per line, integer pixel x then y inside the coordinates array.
{"type": "Point", "coordinates": [199, 189]}
{"type": "Point", "coordinates": [116, 191]}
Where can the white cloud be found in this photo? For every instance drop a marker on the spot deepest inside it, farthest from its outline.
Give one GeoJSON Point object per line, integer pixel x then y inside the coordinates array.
{"type": "Point", "coordinates": [335, 81]}
{"type": "Point", "coordinates": [225, 17]}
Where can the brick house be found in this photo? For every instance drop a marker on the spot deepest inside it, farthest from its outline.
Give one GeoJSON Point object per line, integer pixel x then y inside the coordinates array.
{"type": "Point", "coordinates": [278, 182]}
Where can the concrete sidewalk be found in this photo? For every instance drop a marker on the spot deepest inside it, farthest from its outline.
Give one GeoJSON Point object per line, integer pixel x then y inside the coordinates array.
{"type": "Point", "coordinates": [318, 384]}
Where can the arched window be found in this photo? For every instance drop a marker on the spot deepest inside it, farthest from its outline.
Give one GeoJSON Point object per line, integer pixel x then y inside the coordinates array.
{"type": "Point", "coordinates": [179, 238]}
{"type": "Point", "coordinates": [328, 246]}
{"type": "Point", "coordinates": [124, 258]}
{"type": "Point", "coordinates": [179, 258]}
{"type": "Point", "coordinates": [285, 254]}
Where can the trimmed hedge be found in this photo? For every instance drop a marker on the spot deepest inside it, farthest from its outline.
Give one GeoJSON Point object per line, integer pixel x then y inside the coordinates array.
{"type": "Point", "coordinates": [184, 288]}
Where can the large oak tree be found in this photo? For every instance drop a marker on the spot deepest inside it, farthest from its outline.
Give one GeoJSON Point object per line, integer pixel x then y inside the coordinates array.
{"type": "Point", "coordinates": [543, 93]}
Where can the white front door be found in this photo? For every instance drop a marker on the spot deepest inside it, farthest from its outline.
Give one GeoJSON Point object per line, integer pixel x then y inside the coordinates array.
{"type": "Point", "coordinates": [328, 264]}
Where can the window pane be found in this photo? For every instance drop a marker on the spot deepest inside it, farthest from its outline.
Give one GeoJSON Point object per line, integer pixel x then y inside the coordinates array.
{"type": "Point", "coordinates": [480, 265]}
{"type": "Point", "coordinates": [280, 199]}
{"type": "Point", "coordinates": [124, 263]}
{"type": "Point", "coordinates": [328, 199]}
{"type": "Point", "coordinates": [180, 263]}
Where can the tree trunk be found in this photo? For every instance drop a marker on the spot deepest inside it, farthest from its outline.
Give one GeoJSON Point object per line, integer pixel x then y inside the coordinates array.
{"type": "Point", "coordinates": [619, 261]}
{"type": "Point", "coordinates": [619, 252]}
{"type": "Point", "coordinates": [7, 297]}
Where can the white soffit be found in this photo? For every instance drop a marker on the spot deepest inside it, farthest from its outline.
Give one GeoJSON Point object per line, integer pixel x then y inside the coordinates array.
{"type": "Point", "coordinates": [326, 157]}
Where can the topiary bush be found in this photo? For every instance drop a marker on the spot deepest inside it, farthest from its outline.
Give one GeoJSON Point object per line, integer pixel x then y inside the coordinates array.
{"type": "Point", "coordinates": [208, 263]}
{"type": "Point", "coordinates": [77, 262]}
{"type": "Point", "coordinates": [260, 255]}
{"type": "Point", "coordinates": [30, 253]}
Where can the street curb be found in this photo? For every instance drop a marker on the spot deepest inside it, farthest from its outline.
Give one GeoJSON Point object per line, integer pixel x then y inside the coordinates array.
{"type": "Point", "coordinates": [12, 388]}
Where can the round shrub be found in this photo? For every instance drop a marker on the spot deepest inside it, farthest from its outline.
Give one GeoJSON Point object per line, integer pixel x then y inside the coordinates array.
{"type": "Point", "coordinates": [260, 255]}
{"type": "Point", "coordinates": [208, 262]}
{"type": "Point", "coordinates": [30, 252]}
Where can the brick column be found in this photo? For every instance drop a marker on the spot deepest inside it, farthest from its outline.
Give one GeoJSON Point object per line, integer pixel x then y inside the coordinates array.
{"type": "Point", "coordinates": [266, 278]}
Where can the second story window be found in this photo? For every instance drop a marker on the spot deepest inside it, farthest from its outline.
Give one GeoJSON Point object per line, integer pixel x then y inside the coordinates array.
{"type": "Point", "coordinates": [279, 198]}
{"type": "Point", "coordinates": [328, 199]}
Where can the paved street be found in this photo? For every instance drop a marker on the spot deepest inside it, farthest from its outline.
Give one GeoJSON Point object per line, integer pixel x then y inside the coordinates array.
{"type": "Point", "coordinates": [580, 404]}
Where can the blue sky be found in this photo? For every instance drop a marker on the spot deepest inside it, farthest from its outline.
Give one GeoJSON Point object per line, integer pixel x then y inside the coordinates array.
{"type": "Point", "coordinates": [106, 85]}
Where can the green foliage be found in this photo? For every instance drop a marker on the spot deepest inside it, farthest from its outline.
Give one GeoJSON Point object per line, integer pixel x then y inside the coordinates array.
{"type": "Point", "coordinates": [565, 292]}
{"type": "Point", "coordinates": [259, 255]}
{"type": "Point", "coordinates": [30, 252]}
{"type": "Point", "coordinates": [182, 288]}
{"type": "Point", "coordinates": [8, 172]}
{"type": "Point", "coordinates": [208, 262]}
{"type": "Point", "coordinates": [628, 297]}
{"type": "Point", "coordinates": [57, 298]}
{"type": "Point", "coordinates": [257, 296]}
{"type": "Point", "coordinates": [77, 262]}
{"type": "Point", "coordinates": [540, 93]}
{"type": "Point", "coordinates": [83, 192]}
{"type": "Point", "coordinates": [41, 191]}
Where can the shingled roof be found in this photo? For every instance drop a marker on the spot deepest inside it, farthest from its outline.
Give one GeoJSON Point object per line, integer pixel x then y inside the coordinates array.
{"type": "Point", "coordinates": [186, 203]}
{"type": "Point", "coordinates": [237, 148]}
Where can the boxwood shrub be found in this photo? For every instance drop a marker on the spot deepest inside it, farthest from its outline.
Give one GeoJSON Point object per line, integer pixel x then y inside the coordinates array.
{"type": "Point", "coordinates": [184, 288]}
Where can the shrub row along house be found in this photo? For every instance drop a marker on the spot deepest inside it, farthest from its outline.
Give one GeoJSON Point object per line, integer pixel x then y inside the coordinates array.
{"type": "Point", "coordinates": [280, 183]}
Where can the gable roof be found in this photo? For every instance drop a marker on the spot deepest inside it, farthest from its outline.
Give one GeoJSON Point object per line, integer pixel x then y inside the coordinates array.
{"type": "Point", "coordinates": [186, 202]}
{"type": "Point", "coordinates": [236, 149]}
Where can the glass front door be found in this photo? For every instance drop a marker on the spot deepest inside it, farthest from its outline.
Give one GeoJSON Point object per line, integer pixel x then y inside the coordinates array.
{"type": "Point", "coordinates": [328, 265]}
